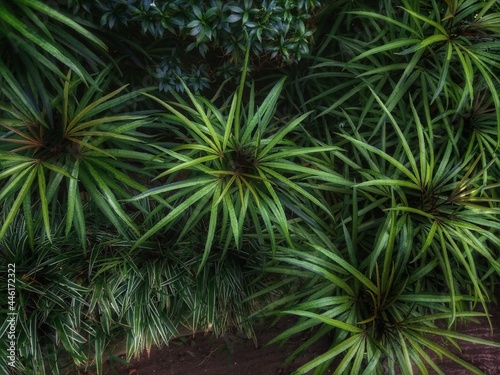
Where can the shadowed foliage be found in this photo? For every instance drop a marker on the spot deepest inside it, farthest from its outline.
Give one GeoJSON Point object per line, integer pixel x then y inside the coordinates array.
{"type": "Point", "coordinates": [356, 189]}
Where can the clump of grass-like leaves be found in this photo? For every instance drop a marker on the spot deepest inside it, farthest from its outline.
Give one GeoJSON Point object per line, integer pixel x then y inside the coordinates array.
{"type": "Point", "coordinates": [77, 307]}
{"type": "Point", "coordinates": [237, 165]}
{"type": "Point", "coordinates": [378, 311]}
{"type": "Point", "coordinates": [69, 154]}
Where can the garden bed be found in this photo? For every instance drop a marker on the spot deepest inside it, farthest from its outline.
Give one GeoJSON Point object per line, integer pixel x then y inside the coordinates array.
{"type": "Point", "coordinates": [232, 354]}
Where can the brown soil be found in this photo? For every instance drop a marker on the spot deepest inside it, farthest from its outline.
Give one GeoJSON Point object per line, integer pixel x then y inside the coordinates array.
{"type": "Point", "coordinates": [231, 354]}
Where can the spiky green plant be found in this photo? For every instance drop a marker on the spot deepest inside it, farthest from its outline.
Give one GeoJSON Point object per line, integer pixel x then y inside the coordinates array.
{"type": "Point", "coordinates": [450, 199]}
{"type": "Point", "coordinates": [235, 165]}
{"type": "Point", "coordinates": [377, 312]}
{"type": "Point", "coordinates": [83, 150]}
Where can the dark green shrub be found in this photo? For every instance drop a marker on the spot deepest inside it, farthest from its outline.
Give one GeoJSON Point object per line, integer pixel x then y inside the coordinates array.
{"type": "Point", "coordinates": [163, 33]}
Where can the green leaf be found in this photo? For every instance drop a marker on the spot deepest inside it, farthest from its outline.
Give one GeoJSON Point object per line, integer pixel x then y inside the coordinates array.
{"type": "Point", "coordinates": [352, 341]}
{"type": "Point", "coordinates": [319, 270]}
{"type": "Point", "coordinates": [177, 211]}
{"type": "Point", "coordinates": [189, 164]}
{"type": "Point", "coordinates": [262, 117]}
{"type": "Point", "coordinates": [277, 138]}
{"type": "Point", "coordinates": [348, 267]}
{"type": "Point", "coordinates": [210, 236]}
{"type": "Point", "coordinates": [385, 156]}
{"type": "Point", "coordinates": [72, 197]}
{"type": "Point", "coordinates": [42, 191]}
{"type": "Point", "coordinates": [396, 44]}
{"type": "Point", "coordinates": [178, 185]}
{"type": "Point", "coordinates": [40, 6]}
{"type": "Point", "coordinates": [82, 113]}
{"type": "Point", "coordinates": [26, 186]}
{"type": "Point", "coordinates": [427, 20]}
{"type": "Point", "coordinates": [192, 126]}
{"type": "Point", "coordinates": [206, 120]}
{"type": "Point", "coordinates": [424, 43]}
{"type": "Point", "coordinates": [386, 19]}
{"type": "Point", "coordinates": [103, 205]}
{"type": "Point", "coordinates": [325, 320]}
{"type": "Point", "coordinates": [28, 33]}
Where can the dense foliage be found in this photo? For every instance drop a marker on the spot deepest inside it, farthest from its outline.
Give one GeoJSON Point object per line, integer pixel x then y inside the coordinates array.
{"type": "Point", "coordinates": [356, 189]}
{"type": "Point", "coordinates": [195, 43]}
